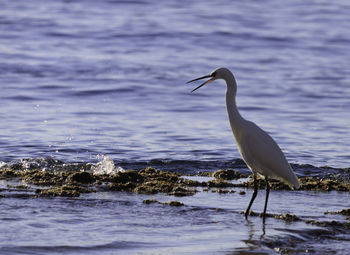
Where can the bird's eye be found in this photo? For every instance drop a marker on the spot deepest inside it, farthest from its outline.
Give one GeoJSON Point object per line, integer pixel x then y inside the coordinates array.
{"type": "Point", "coordinates": [213, 74]}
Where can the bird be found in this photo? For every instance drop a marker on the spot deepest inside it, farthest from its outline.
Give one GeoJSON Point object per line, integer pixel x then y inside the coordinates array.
{"type": "Point", "coordinates": [259, 151]}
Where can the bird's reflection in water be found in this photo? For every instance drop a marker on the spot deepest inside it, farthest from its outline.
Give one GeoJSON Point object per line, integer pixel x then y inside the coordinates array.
{"type": "Point", "coordinates": [256, 234]}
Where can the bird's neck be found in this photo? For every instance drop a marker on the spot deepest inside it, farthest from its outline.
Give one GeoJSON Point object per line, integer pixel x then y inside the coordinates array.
{"type": "Point", "coordinates": [236, 120]}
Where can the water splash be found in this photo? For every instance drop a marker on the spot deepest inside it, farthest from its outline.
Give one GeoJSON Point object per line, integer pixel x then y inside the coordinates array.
{"type": "Point", "coordinates": [32, 163]}
{"type": "Point", "coordinates": [2, 164]}
{"type": "Point", "coordinates": [106, 166]}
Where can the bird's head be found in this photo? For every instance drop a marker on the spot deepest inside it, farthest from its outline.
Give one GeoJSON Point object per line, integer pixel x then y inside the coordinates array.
{"type": "Point", "coordinates": [219, 73]}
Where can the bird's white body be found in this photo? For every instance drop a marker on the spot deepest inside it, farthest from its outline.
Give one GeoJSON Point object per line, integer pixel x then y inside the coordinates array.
{"type": "Point", "coordinates": [257, 148]}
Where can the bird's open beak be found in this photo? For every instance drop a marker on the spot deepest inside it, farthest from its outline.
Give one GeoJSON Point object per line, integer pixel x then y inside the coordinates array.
{"type": "Point", "coordinates": [203, 77]}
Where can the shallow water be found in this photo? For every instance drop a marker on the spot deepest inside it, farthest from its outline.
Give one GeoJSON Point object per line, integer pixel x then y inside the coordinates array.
{"type": "Point", "coordinates": [110, 223]}
{"type": "Point", "coordinates": [208, 223]}
{"type": "Point", "coordinates": [82, 79]}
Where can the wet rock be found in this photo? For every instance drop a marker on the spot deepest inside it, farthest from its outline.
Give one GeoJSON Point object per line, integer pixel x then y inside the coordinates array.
{"type": "Point", "coordinates": [274, 184]}
{"type": "Point", "coordinates": [150, 201]}
{"type": "Point", "coordinates": [152, 181]}
{"type": "Point", "coordinates": [151, 173]}
{"type": "Point", "coordinates": [219, 184]}
{"type": "Point", "coordinates": [192, 183]}
{"type": "Point", "coordinates": [287, 217]}
{"type": "Point", "coordinates": [63, 191]}
{"type": "Point", "coordinates": [323, 184]}
{"type": "Point", "coordinates": [127, 176]}
{"type": "Point", "coordinates": [345, 212]}
{"type": "Point", "coordinates": [242, 192]}
{"type": "Point", "coordinates": [128, 187]}
{"type": "Point", "coordinates": [17, 187]}
{"type": "Point", "coordinates": [171, 203]}
{"type": "Point", "coordinates": [154, 186]}
{"type": "Point", "coordinates": [306, 183]}
{"type": "Point", "coordinates": [205, 174]}
{"type": "Point", "coordinates": [7, 173]}
{"type": "Point", "coordinates": [80, 177]}
{"type": "Point", "coordinates": [337, 224]}
{"type": "Point", "coordinates": [228, 174]}
{"type": "Point", "coordinates": [251, 213]}
{"type": "Point", "coordinates": [221, 191]}
{"type": "Point", "coordinates": [41, 178]}
{"type": "Point", "coordinates": [179, 191]}
{"type": "Point", "coordinates": [149, 170]}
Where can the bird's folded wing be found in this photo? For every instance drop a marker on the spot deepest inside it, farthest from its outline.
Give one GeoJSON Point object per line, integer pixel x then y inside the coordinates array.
{"type": "Point", "coordinates": [265, 156]}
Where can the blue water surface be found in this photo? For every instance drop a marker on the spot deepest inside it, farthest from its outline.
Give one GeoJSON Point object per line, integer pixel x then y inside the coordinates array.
{"type": "Point", "coordinates": [84, 78]}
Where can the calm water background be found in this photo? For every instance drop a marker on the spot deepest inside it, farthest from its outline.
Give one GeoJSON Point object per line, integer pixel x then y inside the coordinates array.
{"type": "Point", "coordinates": [80, 79]}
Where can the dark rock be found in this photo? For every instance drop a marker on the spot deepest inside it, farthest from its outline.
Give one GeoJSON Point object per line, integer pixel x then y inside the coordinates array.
{"type": "Point", "coordinates": [227, 174]}
{"type": "Point", "coordinates": [219, 184]}
{"type": "Point", "coordinates": [80, 177]}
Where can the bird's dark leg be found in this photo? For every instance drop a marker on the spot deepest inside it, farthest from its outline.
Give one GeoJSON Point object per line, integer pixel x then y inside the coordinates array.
{"type": "Point", "coordinates": [253, 197]}
{"type": "Point", "coordinates": [267, 196]}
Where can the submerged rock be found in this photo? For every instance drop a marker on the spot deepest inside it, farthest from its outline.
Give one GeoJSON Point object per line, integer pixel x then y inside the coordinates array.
{"type": "Point", "coordinates": [150, 201]}
{"type": "Point", "coordinates": [337, 224]}
{"type": "Point", "coordinates": [345, 212]}
{"type": "Point", "coordinates": [17, 187]}
{"type": "Point", "coordinates": [63, 191]}
{"type": "Point", "coordinates": [219, 184]}
{"type": "Point", "coordinates": [171, 203]}
{"type": "Point", "coordinates": [221, 191]}
{"type": "Point", "coordinates": [287, 217]}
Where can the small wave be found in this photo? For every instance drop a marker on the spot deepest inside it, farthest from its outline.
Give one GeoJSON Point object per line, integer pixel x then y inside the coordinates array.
{"type": "Point", "coordinates": [71, 248]}
{"type": "Point", "coordinates": [62, 34]}
{"type": "Point", "coordinates": [119, 2]}
{"type": "Point", "coordinates": [24, 98]}
{"type": "Point", "coordinates": [305, 239]}
{"type": "Point", "coordinates": [95, 92]}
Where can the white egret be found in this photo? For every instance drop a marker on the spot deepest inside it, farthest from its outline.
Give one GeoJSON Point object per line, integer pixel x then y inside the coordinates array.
{"type": "Point", "coordinates": [258, 150]}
